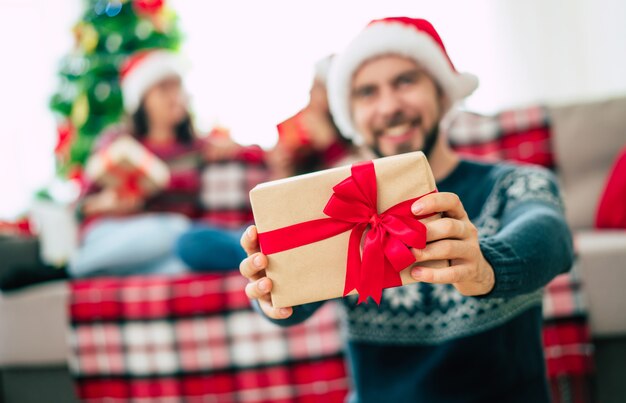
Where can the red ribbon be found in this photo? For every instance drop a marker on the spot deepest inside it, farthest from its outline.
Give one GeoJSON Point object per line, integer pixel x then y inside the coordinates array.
{"type": "Point", "coordinates": [353, 206]}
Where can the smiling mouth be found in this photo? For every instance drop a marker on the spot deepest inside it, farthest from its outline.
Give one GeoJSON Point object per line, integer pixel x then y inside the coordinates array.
{"type": "Point", "coordinates": [400, 133]}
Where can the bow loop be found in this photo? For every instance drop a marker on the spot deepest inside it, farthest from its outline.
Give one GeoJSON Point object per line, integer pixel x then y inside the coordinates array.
{"type": "Point", "coordinates": [387, 243]}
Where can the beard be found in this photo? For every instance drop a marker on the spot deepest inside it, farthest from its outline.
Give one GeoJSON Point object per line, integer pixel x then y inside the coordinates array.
{"type": "Point", "coordinates": [430, 139]}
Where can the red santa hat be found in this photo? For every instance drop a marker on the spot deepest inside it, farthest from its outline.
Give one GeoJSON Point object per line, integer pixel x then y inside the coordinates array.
{"type": "Point", "coordinates": [144, 69]}
{"type": "Point", "coordinates": [409, 37]}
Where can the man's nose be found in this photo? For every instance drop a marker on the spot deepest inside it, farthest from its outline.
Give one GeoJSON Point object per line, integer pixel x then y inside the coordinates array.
{"type": "Point", "coordinates": [389, 103]}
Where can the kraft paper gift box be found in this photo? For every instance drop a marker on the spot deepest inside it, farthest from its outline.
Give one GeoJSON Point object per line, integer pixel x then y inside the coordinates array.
{"type": "Point", "coordinates": [290, 218]}
{"type": "Point", "coordinates": [129, 167]}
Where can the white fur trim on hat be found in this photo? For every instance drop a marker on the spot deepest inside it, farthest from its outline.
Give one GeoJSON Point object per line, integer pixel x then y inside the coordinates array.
{"type": "Point", "coordinates": [391, 37]}
{"type": "Point", "coordinates": [148, 71]}
{"type": "Point", "coordinates": [322, 67]}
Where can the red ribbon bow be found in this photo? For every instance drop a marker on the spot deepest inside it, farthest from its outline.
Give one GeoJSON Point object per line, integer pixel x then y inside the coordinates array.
{"type": "Point", "coordinates": [353, 206]}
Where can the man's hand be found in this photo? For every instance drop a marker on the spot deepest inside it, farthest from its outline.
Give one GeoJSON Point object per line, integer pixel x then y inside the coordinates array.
{"type": "Point", "coordinates": [453, 238]}
{"type": "Point", "coordinates": [253, 268]}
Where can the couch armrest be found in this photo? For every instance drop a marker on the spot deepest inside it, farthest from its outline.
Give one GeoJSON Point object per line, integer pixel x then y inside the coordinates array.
{"type": "Point", "coordinates": [602, 259]}
{"type": "Point", "coordinates": [33, 325]}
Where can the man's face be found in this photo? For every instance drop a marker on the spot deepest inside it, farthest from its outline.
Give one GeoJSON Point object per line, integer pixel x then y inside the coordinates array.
{"type": "Point", "coordinates": [395, 105]}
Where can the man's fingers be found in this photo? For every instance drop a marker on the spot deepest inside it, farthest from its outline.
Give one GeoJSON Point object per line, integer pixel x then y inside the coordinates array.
{"type": "Point", "coordinates": [445, 249]}
{"type": "Point", "coordinates": [443, 202]}
{"type": "Point", "coordinates": [446, 275]}
{"type": "Point", "coordinates": [259, 288]}
{"type": "Point", "coordinates": [445, 228]}
{"type": "Point", "coordinates": [252, 266]}
{"type": "Point", "coordinates": [274, 313]}
{"type": "Point", "coordinates": [250, 240]}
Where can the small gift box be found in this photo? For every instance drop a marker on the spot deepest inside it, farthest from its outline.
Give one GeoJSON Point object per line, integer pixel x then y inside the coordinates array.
{"type": "Point", "coordinates": [292, 133]}
{"type": "Point", "coordinates": [128, 167]}
{"type": "Point", "coordinates": [344, 230]}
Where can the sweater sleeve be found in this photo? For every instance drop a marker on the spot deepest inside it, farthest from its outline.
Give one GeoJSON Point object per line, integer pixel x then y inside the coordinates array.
{"type": "Point", "coordinates": [533, 243]}
{"type": "Point", "coordinates": [299, 315]}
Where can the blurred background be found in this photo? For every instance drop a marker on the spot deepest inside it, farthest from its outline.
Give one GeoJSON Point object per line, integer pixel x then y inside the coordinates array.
{"type": "Point", "coordinates": [552, 92]}
{"type": "Point", "coordinates": [252, 62]}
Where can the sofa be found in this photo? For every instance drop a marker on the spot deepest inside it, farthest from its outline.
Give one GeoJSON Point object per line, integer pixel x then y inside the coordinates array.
{"type": "Point", "coordinates": [33, 333]}
{"type": "Point", "coordinates": [584, 139]}
{"type": "Point", "coordinates": [587, 138]}
{"type": "Point", "coordinates": [580, 143]}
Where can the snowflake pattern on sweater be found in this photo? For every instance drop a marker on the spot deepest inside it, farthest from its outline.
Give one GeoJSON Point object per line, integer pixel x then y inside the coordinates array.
{"type": "Point", "coordinates": [431, 314]}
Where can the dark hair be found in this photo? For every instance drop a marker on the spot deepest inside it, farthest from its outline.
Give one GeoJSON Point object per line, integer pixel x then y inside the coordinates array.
{"type": "Point", "coordinates": [185, 133]}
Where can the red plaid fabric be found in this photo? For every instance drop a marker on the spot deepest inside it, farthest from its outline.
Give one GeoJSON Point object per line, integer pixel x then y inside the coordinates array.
{"type": "Point", "coordinates": [563, 297]}
{"type": "Point", "coordinates": [523, 135]}
{"type": "Point", "coordinates": [567, 348]}
{"type": "Point", "coordinates": [225, 188]}
{"type": "Point", "coordinates": [567, 341]}
{"type": "Point", "coordinates": [196, 339]}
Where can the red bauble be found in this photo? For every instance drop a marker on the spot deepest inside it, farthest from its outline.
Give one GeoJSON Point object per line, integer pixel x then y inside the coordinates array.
{"type": "Point", "coordinates": [148, 7]}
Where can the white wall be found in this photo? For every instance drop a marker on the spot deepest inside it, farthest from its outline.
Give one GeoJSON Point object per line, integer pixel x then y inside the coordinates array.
{"type": "Point", "coordinates": [252, 61]}
{"type": "Point", "coordinates": [557, 51]}
{"type": "Point", "coordinates": [34, 34]}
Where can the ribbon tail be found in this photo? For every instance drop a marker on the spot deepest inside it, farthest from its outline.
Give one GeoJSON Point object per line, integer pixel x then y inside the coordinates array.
{"type": "Point", "coordinates": [392, 277]}
{"type": "Point", "coordinates": [373, 268]}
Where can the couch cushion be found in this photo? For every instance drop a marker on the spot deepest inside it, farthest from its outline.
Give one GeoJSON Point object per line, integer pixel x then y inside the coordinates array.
{"type": "Point", "coordinates": [586, 139]}
{"type": "Point", "coordinates": [33, 325]}
{"type": "Point", "coordinates": [601, 256]}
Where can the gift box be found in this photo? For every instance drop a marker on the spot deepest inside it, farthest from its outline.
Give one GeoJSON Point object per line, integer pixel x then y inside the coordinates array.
{"type": "Point", "coordinates": [344, 230]}
{"type": "Point", "coordinates": [128, 167]}
{"type": "Point", "coordinates": [292, 133]}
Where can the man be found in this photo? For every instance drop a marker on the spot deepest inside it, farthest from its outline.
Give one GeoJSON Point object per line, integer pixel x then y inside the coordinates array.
{"type": "Point", "coordinates": [470, 332]}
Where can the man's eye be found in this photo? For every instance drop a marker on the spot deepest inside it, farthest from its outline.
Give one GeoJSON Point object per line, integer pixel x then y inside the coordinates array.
{"type": "Point", "coordinates": [365, 92]}
{"type": "Point", "coordinates": [405, 80]}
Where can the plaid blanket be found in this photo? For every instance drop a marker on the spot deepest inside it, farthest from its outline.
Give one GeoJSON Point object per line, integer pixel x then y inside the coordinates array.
{"type": "Point", "coordinates": [523, 135]}
{"type": "Point", "coordinates": [196, 339]}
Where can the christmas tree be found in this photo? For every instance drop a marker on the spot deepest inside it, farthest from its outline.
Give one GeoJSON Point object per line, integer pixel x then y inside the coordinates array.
{"type": "Point", "coordinates": [89, 96]}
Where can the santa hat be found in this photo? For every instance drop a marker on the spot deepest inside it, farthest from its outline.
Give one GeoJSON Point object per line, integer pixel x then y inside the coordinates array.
{"type": "Point", "coordinates": [409, 37]}
{"type": "Point", "coordinates": [144, 69]}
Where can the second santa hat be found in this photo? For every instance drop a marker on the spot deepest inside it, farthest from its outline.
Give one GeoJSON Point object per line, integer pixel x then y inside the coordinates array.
{"type": "Point", "coordinates": [144, 69]}
{"type": "Point", "coordinates": [410, 37]}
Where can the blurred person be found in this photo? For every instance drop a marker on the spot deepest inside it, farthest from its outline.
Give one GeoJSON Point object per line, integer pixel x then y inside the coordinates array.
{"type": "Point", "coordinates": [130, 233]}
{"type": "Point", "coordinates": [310, 140]}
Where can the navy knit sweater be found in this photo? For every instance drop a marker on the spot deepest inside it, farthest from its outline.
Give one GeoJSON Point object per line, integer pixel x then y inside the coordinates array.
{"type": "Point", "coordinates": [429, 343]}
